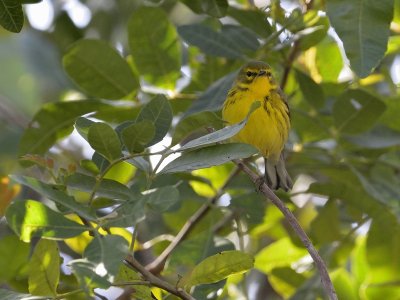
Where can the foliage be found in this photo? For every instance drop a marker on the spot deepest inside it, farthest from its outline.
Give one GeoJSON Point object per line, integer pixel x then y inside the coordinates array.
{"type": "Point", "coordinates": [129, 165]}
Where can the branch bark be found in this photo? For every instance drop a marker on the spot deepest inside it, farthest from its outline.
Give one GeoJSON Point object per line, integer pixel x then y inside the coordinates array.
{"type": "Point", "coordinates": [155, 281]}
{"type": "Point", "coordinates": [269, 194]}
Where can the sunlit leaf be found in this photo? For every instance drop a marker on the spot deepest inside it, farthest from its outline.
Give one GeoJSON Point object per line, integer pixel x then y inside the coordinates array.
{"type": "Point", "coordinates": [17, 254]}
{"type": "Point", "coordinates": [281, 253]}
{"type": "Point", "coordinates": [58, 196]}
{"type": "Point", "coordinates": [219, 267]}
{"type": "Point", "coordinates": [328, 51]}
{"type": "Point", "coordinates": [31, 218]}
{"type": "Point", "coordinates": [44, 269]}
{"type": "Point", "coordinates": [155, 46]}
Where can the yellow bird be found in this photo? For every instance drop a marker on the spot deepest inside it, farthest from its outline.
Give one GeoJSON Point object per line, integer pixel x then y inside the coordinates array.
{"type": "Point", "coordinates": [268, 126]}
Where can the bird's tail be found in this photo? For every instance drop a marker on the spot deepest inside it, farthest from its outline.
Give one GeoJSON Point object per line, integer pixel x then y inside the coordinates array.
{"type": "Point", "coordinates": [276, 175]}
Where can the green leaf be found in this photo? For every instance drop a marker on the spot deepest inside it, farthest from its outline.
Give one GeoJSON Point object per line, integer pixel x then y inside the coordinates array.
{"type": "Point", "coordinates": [155, 47]}
{"type": "Point", "coordinates": [311, 91]}
{"type": "Point", "coordinates": [108, 252]}
{"type": "Point", "coordinates": [328, 51]}
{"type": "Point", "coordinates": [195, 123]}
{"type": "Point", "coordinates": [344, 285]}
{"type": "Point", "coordinates": [281, 253]}
{"type": "Point", "coordinates": [325, 228]}
{"type": "Point", "coordinates": [250, 207]}
{"type": "Point", "coordinates": [245, 39]}
{"type": "Point", "coordinates": [11, 295]}
{"type": "Point", "coordinates": [209, 156]}
{"type": "Point", "coordinates": [213, 98]}
{"type": "Point", "coordinates": [256, 20]}
{"type": "Point", "coordinates": [105, 141]}
{"type": "Point", "coordinates": [128, 275]}
{"type": "Point", "coordinates": [377, 138]}
{"type": "Point", "coordinates": [53, 122]}
{"type": "Point", "coordinates": [215, 8]}
{"type": "Point", "coordinates": [86, 273]}
{"type": "Point", "coordinates": [127, 214]}
{"type": "Point", "coordinates": [44, 269]}
{"type": "Point", "coordinates": [214, 137]}
{"type": "Point", "coordinates": [357, 111]}
{"type": "Point", "coordinates": [11, 15]}
{"type": "Point", "coordinates": [161, 199]}
{"type": "Point", "coordinates": [99, 69]}
{"type": "Point", "coordinates": [363, 26]}
{"type": "Point", "coordinates": [108, 188]}
{"type": "Point", "coordinates": [219, 267]}
{"type": "Point", "coordinates": [136, 136]}
{"type": "Point", "coordinates": [82, 125]}
{"type": "Point", "coordinates": [31, 218]}
{"type": "Point", "coordinates": [15, 255]}
{"type": "Point", "coordinates": [351, 186]}
{"type": "Point", "coordinates": [383, 245]}
{"type": "Point", "coordinates": [219, 135]}
{"type": "Point", "coordinates": [52, 193]}
{"type": "Point", "coordinates": [209, 41]}
{"type": "Point", "coordinates": [158, 111]}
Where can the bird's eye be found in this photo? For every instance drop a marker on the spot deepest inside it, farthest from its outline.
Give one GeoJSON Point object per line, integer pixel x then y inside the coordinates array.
{"type": "Point", "coordinates": [249, 74]}
{"type": "Point", "coordinates": [269, 74]}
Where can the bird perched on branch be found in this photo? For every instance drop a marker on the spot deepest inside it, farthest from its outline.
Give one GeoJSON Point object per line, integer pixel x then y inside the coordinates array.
{"type": "Point", "coordinates": [268, 125]}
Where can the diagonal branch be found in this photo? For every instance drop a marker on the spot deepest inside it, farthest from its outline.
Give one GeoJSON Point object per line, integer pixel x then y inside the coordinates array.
{"type": "Point", "coordinates": [157, 265]}
{"type": "Point", "coordinates": [155, 281]}
{"type": "Point", "coordinates": [268, 193]}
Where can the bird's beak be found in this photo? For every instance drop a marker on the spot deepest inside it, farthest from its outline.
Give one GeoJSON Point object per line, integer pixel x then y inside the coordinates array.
{"type": "Point", "coordinates": [262, 73]}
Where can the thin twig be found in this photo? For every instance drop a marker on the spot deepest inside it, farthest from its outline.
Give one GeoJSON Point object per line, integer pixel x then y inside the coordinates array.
{"type": "Point", "coordinates": [155, 281]}
{"type": "Point", "coordinates": [269, 194]}
{"type": "Point", "coordinates": [156, 266]}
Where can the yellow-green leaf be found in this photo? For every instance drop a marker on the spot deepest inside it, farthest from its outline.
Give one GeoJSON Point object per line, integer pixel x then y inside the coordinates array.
{"type": "Point", "coordinates": [219, 266]}
{"type": "Point", "coordinates": [44, 269]}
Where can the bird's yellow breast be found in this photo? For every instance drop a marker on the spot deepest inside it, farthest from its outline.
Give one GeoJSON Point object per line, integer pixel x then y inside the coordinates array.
{"type": "Point", "coordinates": [268, 126]}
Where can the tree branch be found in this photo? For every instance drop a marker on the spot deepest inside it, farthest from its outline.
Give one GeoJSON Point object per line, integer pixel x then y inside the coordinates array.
{"type": "Point", "coordinates": [155, 281]}
{"type": "Point", "coordinates": [157, 265]}
{"type": "Point", "coordinates": [268, 193]}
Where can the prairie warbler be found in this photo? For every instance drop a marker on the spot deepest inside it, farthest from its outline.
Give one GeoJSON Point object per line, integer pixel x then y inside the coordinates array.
{"type": "Point", "coordinates": [268, 126]}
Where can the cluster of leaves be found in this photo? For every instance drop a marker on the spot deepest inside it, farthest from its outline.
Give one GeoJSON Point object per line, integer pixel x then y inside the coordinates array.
{"type": "Point", "coordinates": [345, 137]}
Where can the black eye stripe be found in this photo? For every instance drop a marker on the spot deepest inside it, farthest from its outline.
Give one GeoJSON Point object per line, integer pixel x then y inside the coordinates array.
{"type": "Point", "coordinates": [249, 73]}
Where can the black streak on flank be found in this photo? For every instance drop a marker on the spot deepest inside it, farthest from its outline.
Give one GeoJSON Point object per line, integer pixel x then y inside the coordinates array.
{"type": "Point", "coordinates": [266, 99]}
